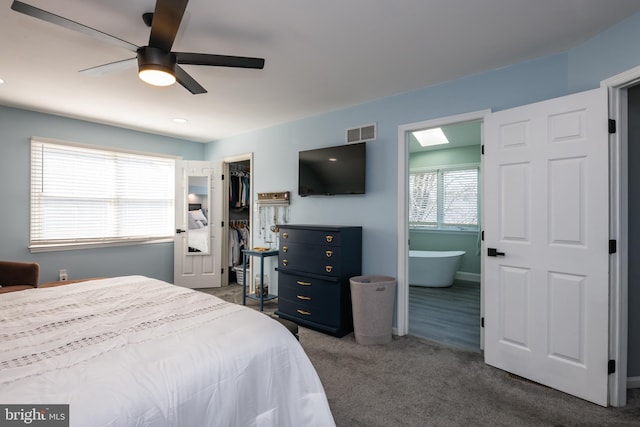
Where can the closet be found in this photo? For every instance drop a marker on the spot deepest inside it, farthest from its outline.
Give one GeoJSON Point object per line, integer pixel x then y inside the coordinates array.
{"type": "Point", "coordinates": [239, 209]}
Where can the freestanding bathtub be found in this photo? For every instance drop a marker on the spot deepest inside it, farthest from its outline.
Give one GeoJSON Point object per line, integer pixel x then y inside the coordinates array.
{"type": "Point", "coordinates": [433, 269]}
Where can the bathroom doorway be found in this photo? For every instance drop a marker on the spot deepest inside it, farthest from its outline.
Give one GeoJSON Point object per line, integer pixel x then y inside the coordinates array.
{"type": "Point", "coordinates": [444, 225]}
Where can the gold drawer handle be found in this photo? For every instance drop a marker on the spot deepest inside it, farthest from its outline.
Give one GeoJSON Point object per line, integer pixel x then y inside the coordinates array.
{"type": "Point", "coordinates": [306, 313]}
{"type": "Point", "coordinates": [328, 253]}
{"type": "Point", "coordinates": [285, 235]}
{"type": "Point", "coordinates": [302, 297]}
{"type": "Point", "coordinates": [285, 262]}
{"type": "Point", "coordinates": [285, 248]}
{"type": "Point", "coordinates": [328, 268]}
{"type": "Point", "coordinates": [301, 283]}
{"type": "Point", "coordinates": [329, 238]}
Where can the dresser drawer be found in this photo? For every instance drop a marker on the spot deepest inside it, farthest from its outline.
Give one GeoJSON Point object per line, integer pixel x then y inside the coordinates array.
{"type": "Point", "coordinates": [317, 259]}
{"type": "Point", "coordinates": [310, 237]}
{"type": "Point", "coordinates": [308, 290]}
{"type": "Point", "coordinates": [309, 312]}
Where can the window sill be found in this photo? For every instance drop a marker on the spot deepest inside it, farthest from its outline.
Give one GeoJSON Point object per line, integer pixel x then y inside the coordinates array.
{"type": "Point", "coordinates": [53, 247]}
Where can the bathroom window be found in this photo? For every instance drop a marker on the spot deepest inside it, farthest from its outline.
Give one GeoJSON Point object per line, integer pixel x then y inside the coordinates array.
{"type": "Point", "coordinates": [84, 196]}
{"type": "Point", "coordinates": [445, 198]}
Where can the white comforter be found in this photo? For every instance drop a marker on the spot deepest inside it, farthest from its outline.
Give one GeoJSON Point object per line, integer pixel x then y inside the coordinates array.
{"type": "Point", "coordinates": [135, 351]}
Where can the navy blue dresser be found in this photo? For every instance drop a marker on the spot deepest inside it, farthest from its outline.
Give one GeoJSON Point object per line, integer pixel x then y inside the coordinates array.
{"type": "Point", "coordinates": [314, 266]}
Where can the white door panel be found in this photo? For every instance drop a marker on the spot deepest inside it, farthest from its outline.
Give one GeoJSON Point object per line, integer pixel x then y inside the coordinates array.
{"type": "Point", "coordinates": [546, 208]}
{"type": "Point", "coordinates": [198, 246]}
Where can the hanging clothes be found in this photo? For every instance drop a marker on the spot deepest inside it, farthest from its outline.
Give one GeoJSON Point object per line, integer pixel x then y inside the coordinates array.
{"type": "Point", "coordinates": [239, 192]}
{"type": "Point", "coordinates": [245, 193]}
{"type": "Point", "coordinates": [239, 238]}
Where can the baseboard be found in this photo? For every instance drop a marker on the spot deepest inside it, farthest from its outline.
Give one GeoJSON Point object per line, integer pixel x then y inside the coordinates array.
{"type": "Point", "coordinates": [467, 277]}
{"type": "Point", "coordinates": [633, 382]}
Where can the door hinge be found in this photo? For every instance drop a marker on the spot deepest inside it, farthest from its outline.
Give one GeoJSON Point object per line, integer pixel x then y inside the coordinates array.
{"type": "Point", "coordinates": [222, 271]}
{"type": "Point", "coordinates": [222, 224]}
{"type": "Point", "coordinates": [222, 177]}
{"type": "Point", "coordinates": [482, 148]}
{"type": "Point", "coordinates": [482, 322]}
{"type": "Point", "coordinates": [482, 235]}
{"type": "Point", "coordinates": [612, 126]}
{"type": "Point", "coordinates": [611, 367]}
{"type": "Point", "coordinates": [613, 246]}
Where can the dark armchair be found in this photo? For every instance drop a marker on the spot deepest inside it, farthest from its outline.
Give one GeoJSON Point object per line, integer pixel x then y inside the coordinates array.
{"type": "Point", "coordinates": [17, 276]}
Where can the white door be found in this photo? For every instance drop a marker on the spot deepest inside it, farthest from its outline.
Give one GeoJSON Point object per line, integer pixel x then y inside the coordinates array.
{"type": "Point", "coordinates": [546, 216]}
{"type": "Point", "coordinates": [197, 244]}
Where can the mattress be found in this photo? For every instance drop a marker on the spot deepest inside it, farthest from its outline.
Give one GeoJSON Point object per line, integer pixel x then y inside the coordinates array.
{"type": "Point", "coordinates": [135, 351]}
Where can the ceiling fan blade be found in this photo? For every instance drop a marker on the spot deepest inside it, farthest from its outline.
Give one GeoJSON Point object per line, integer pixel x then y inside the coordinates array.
{"type": "Point", "coordinates": [110, 67]}
{"type": "Point", "coordinates": [219, 60]}
{"type": "Point", "coordinates": [72, 25]}
{"type": "Point", "coordinates": [165, 24]}
{"type": "Point", "coordinates": [188, 82]}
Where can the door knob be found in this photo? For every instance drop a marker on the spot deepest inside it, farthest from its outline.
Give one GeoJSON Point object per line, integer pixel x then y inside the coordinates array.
{"type": "Point", "coordinates": [494, 252]}
{"type": "Point", "coordinates": [178, 230]}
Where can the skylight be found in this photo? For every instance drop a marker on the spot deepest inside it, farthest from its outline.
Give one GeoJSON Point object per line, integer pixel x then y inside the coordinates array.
{"type": "Point", "coordinates": [429, 137]}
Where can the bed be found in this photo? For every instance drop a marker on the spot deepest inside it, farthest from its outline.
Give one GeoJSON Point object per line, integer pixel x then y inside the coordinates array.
{"type": "Point", "coordinates": [135, 351]}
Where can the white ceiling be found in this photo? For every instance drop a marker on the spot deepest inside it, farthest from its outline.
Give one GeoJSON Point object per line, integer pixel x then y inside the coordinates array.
{"type": "Point", "coordinates": [320, 55]}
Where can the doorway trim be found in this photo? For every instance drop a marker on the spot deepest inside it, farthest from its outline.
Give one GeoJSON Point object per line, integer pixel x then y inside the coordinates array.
{"type": "Point", "coordinates": [618, 229]}
{"type": "Point", "coordinates": [402, 300]}
{"type": "Point", "coordinates": [225, 212]}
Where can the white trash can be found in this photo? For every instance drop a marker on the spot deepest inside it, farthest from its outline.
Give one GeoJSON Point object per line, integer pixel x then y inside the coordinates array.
{"type": "Point", "coordinates": [372, 299]}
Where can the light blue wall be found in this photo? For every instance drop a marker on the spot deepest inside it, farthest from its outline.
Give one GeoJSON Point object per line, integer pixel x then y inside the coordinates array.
{"type": "Point", "coordinates": [609, 53]}
{"type": "Point", "coordinates": [446, 157]}
{"type": "Point", "coordinates": [425, 240]}
{"type": "Point", "coordinates": [16, 128]}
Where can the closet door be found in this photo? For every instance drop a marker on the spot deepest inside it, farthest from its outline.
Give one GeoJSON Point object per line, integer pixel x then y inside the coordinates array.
{"type": "Point", "coordinates": [197, 243]}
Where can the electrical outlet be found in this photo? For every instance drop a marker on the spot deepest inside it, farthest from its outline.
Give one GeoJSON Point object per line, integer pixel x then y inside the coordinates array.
{"type": "Point", "coordinates": [63, 275]}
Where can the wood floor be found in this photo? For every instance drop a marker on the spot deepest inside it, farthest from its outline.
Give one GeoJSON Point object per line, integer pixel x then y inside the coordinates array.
{"type": "Point", "coordinates": [447, 315]}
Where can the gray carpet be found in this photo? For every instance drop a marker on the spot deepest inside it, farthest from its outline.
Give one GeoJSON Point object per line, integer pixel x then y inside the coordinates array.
{"type": "Point", "coordinates": [416, 382]}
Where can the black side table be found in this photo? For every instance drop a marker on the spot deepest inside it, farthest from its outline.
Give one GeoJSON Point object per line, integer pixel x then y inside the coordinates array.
{"type": "Point", "coordinates": [262, 254]}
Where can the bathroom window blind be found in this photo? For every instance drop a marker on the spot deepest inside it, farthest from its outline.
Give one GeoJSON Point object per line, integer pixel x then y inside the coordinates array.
{"type": "Point", "coordinates": [87, 196]}
{"type": "Point", "coordinates": [423, 200]}
{"type": "Point", "coordinates": [460, 197]}
{"type": "Point", "coordinates": [444, 198]}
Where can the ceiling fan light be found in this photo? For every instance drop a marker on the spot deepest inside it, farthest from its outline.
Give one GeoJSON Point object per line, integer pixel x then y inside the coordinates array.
{"type": "Point", "coordinates": [156, 67]}
{"type": "Point", "coordinates": [157, 77]}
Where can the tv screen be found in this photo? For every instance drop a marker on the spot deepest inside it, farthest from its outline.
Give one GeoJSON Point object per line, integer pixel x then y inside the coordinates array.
{"type": "Point", "coordinates": [332, 170]}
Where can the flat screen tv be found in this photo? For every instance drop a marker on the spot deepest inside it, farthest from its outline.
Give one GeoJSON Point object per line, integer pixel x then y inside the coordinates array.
{"type": "Point", "coordinates": [332, 170]}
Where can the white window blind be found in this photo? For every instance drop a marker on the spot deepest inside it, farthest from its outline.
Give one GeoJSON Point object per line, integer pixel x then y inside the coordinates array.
{"type": "Point", "coordinates": [444, 198]}
{"type": "Point", "coordinates": [82, 195]}
{"type": "Point", "coordinates": [423, 203]}
{"type": "Point", "coordinates": [460, 197]}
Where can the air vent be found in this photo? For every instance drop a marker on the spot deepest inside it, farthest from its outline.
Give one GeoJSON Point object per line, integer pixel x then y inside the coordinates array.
{"type": "Point", "coordinates": [361, 134]}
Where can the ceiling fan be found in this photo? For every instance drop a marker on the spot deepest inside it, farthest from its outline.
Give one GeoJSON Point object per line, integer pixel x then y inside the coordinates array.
{"type": "Point", "coordinates": [157, 64]}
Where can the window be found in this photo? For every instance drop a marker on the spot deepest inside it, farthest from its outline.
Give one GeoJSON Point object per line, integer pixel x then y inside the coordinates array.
{"type": "Point", "coordinates": [444, 198]}
{"type": "Point", "coordinates": [86, 196]}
